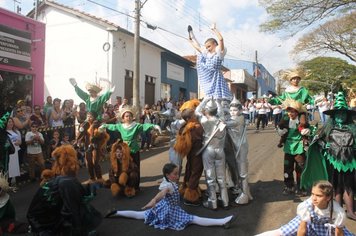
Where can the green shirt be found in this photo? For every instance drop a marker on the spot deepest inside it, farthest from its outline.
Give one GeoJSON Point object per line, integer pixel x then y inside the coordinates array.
{"type": "Point", "coordinates": [129, 134]}
{"type": "Point", "coordinates": [97, 104]}
{"type": "Point", "coordinates": [294, 142]}
{"type": "Point", "coordinates": [301, 96]}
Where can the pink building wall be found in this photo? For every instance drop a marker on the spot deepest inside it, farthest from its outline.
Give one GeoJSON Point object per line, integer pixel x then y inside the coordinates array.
{"type": "Point", "coordinates": [37, 30]}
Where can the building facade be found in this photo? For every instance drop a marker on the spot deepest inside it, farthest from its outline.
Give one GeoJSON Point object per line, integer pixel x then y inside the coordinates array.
{"type": "Point", "coordinates": [92, 49]}
{"type": "Point", "coordinates": [265, 81]}
{"type": "Point", "coordinates": [22, 56]}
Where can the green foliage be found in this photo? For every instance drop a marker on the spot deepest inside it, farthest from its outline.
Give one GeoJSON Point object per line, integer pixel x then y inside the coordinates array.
{"type": "Point", "coordinates": [295, 15]}
{"type": "Point", "coordinates": [323, 72]}
{"type": "Point", "coordinates": [330, 37]}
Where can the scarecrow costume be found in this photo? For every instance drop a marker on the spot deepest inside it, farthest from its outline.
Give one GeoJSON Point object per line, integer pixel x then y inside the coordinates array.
{"type": "Point", "coordinates": [93, 104]}
{"type": "Point", "coordinates": [292, 138]}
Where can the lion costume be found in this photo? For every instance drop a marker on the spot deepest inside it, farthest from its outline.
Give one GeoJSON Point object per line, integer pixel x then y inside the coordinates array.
{"type": "Point", "coordinates": [188, 142]}
{"type": "Point", "coordinates": [123, 172]}
{"type": "Point", "coordinates": [95, 141]}
{"type": "Point", "coordinates": [61, 204]}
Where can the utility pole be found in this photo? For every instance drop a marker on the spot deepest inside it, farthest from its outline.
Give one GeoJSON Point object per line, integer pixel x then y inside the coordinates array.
{"type": "Point", "coordinates": [256, 74]}
{"type": "Point", "coordinates": [136, 64]}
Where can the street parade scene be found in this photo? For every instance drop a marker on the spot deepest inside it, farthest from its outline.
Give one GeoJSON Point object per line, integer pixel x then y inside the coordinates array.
{"type": "Point", "coordinates": [114, 141]}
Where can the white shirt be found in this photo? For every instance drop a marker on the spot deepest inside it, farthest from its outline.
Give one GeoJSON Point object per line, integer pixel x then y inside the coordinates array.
{"type": "Point", "coordinates": [34, 148]}
{"type": "Point", "coordinates": [339, 215]}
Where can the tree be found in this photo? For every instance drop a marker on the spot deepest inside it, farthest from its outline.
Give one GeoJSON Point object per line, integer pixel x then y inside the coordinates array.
{"type": "Point", "coordinates": [337, 36]}
{"type": "Point", "coordinates": [323, 72]}
{"type": "Point", "coordinates": [295, 15]}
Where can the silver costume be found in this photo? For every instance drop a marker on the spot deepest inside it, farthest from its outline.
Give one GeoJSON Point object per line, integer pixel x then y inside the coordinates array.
{"type": "Point", "coordinates": [213, 151]}
{"type": "Point", "coordinates": [236, 155]}
{"type": "Point", "coordinates": [173, 129]}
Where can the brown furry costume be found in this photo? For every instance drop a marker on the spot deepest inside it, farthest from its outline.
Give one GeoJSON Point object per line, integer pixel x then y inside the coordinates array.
{"type": "Point", "coordinates": [189, 141]}
{"type": "Point", "coordinates": [61, 205]}
{"type": "Point", "coordinates": [95, 143]}
{"type": "Point", "coordinates": [66, 163]}
{"type": "Point", "coordinates": [123, 173]}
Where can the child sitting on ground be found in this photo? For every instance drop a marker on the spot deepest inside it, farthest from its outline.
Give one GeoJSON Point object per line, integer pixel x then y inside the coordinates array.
{"type": "Point", "coordinates": [164, 212]}
{"type": "Point", "coordinates": [318, 215]}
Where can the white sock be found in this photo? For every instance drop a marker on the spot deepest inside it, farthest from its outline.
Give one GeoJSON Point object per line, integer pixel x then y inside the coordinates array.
{"type": "Point", "coordinates": [210, 221]}
{"type": "Point", "coordinates": [138, 215]}
{"type": "Point", "coordinates": [276, 232]}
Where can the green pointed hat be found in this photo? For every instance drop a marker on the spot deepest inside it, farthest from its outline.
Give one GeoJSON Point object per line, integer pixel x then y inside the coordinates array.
{"type": "Point", "coordinates": [3, 120]}
{"type": "Point", "coordinates": [340, 104]}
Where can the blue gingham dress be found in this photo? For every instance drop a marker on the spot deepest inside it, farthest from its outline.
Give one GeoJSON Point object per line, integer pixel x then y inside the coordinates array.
{"type": "Point", "coordinates": [167, 214]}
{"type": "Point", "coordinates": [314, 228]}
{"type": "Point", "coordinates": [210, 77]}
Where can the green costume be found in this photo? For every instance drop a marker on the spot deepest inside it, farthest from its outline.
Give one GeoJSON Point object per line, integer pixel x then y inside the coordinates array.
{"type": "Point", "coordinates": [97, 104]}
{"type": "Point", "coordinates": [302, 96]}
{"type": "Point", "coordinates": [294, 142]}
{"type": "Point", "coordinates": [129, 133]}
{"type": "Point", "coordinates": [332, 154]}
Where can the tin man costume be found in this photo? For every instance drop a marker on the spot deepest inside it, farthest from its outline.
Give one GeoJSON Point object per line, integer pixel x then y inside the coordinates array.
{"type": "Point", "coordinates": [213, 151]}
{"type": "Point", "coordinates": [236, 150]}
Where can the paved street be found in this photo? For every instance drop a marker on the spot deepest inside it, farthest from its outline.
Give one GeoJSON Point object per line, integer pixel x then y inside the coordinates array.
{"type": "Point", "coordinates": [268, 210]}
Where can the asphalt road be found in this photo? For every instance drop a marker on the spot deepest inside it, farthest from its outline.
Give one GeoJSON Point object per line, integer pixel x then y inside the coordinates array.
{"type": "Point", "coordinates": [269, 209]}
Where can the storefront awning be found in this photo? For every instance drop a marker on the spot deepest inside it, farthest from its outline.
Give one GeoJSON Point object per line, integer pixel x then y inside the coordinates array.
{"type": "Point", "coordinates": [241, 76]}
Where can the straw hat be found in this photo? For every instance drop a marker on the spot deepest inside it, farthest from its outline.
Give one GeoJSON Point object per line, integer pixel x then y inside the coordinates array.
{"type": "Point", "coordinates": [93, 87]}
{"type": "Point", "coordinates": [295, 105]}
{"type": "Point", "coordinates": [129, 109]}
{"type": "Point", "coordinates": [4, 184]}
{"type": "Point", "coordinates": [290, 74]}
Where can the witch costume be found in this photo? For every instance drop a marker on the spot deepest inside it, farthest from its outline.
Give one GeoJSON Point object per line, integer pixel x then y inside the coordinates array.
{"type": "Point", "coordinates": [332, 154]}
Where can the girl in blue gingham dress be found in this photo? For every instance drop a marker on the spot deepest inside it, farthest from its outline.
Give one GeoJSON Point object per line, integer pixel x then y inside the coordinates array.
{"type": "Point", "coordinates": [314, 214]}
{"type": "Point", "coordinates": [164, 211]}
{"type": "Point", "coordinates": [209, 63]}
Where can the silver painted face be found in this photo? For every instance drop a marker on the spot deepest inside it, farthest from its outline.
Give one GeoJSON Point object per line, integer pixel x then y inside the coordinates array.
{"type": "Point", "coordinates": [234, 111]}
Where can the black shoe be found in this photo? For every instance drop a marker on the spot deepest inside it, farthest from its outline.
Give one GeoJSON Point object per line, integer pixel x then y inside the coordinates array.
{"type": "Point", "coordinates": [288, 190]}
{"type": "Point", "coordinates": [228, 224]}
{"type": "Point", "coordinates": [301, 193]}
{"type": "Point", "coordinates": [110, 213]}
{"type": "Point", "coordinates": [189, 203]}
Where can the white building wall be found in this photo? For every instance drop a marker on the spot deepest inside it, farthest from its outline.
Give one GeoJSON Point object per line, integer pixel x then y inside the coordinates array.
{"type": "Point", "coordinates": [74, 48]}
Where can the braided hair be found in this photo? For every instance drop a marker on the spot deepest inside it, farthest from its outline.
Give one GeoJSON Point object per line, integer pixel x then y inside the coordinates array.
{"type": "Point", "coordinates": [327, 189]}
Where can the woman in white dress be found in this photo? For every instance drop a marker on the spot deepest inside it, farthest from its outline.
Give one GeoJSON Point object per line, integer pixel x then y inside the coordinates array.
{"type": "Point", "coordinates": [15, 137]}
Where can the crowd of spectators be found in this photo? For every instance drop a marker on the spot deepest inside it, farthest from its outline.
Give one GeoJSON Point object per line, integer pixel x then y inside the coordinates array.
{"type": "Point", "coordinates": [37, 130]}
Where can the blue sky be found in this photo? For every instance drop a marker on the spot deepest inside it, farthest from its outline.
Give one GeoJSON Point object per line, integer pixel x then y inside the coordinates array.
{"type": "Point", "coordinates": [238, 21]}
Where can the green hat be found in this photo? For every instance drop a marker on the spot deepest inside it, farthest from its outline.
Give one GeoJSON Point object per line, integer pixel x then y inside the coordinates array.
{"type": "Point", "coordinates": [3, 120]}
{"type": "Point", "coordinates": [340, 104]}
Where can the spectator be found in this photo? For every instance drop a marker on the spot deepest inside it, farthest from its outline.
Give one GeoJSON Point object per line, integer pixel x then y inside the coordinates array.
{"type": "Point", "coordinates": [324, 105]}
{"type": "Point", "coordinates": [57, 114]}
{"type": "Point", "coordinates": [117, 103]}
{"type": "Point", "coordinates": [15, 137]}
{"type": "Point", "coordinates": [146, 118]}
{"type": "Point", "coordinates": [34, 140]}
{"type": "Point", "coordinates": [277, 115]}
{"type": "Point", "coordinates": [38, 118]}
{"type": "Point", "coordinates": [69, 119]}
{"type": "Point", "coordinates": [82, 113]}
{"type": "Point", "coordinates": [125, 104]}
{"type": "Point", "coordinates": [47, 107]}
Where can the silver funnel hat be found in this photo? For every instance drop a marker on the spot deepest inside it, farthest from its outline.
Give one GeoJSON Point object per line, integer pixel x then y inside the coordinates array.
{"type": "Point", "coordinates": [211, 105]}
